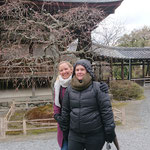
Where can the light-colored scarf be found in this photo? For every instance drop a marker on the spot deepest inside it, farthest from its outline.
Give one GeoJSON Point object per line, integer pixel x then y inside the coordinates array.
{"type": "Point", "coordinates": [58, 83]}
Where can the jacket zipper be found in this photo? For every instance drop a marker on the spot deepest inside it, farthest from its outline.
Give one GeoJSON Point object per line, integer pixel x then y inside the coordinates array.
{"type": "Point", "coordinates": [79, 110]}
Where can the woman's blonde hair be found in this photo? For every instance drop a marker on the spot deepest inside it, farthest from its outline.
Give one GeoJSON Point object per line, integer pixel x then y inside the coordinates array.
{"type": "Point", "coordinates": [66, 62]}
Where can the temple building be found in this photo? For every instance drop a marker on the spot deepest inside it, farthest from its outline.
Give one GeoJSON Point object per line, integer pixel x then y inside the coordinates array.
{"type": "Point", "coordinates": [53, 7]}
{"type": "Point", "coordinates": [108, 6]}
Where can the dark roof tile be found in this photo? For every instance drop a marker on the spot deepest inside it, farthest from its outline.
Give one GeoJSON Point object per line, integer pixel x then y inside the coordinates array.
{"type": "Point", "coordinates": [82, 1]}
{"type": "Point", "coordinates": [122, 52]}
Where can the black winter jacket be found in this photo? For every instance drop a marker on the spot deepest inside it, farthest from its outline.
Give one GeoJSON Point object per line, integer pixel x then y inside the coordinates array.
{"type": "Point", "coordinates": [88, 111]}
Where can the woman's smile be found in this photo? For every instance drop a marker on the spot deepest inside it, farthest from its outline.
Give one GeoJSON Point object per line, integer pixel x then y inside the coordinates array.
{"type": "Point", "coordinates": [80, 72]}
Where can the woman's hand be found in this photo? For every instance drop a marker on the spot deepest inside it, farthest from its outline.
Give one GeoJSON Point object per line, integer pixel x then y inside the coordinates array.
{"type": "Point", "coordinates": [62, 124]}
{"type": "Point", "coordinates": [104, 87]}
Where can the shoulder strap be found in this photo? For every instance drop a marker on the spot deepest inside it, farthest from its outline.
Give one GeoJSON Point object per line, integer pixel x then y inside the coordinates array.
{"type": "Point", "coordinates": [96, 85]}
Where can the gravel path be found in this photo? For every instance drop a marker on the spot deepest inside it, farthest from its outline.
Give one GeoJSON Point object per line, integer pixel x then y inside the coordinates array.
{"type": "Point", "coordinates": [134, 135]}
{"type": "Point", "coordinates": [30, 142]}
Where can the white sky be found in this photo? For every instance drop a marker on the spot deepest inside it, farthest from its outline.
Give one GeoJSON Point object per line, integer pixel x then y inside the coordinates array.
{"type": "Point", "coordinates": [134, 13]}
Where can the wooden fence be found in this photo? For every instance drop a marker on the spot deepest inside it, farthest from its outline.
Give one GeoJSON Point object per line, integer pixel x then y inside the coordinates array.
{"type": "Point", "coordinates": [24, 125]}
{"type": "Point", "coordinates": [28, 104]}
{"type": "Point", "coordinates": [7, 72]}
{"type": "Point", "coordinates": [2, 127]}
{"type": "Point", "coordinates": [142, 81]}
{"type": "Point", "coordinates": [119, 115]}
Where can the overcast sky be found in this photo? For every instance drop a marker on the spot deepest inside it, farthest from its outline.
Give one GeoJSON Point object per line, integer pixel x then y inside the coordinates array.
{"type": "Point", "coordinates": [131, 14]}
{"type": "Point", "coordinates": [134, 13]}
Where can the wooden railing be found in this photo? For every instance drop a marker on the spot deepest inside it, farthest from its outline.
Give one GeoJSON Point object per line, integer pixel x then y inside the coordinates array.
{"type": "Point", "coordinates": [2, 127]}
{"type": "Point", "coordinates": [5, 122]}
{"type": "Point", "coordinates": [51, 123]}
{"type": "Point", "coordinates": [10, 112]}
{"type": "Point", "coordinates": [25, 71]}
{"type": "Point", "coordinates": [119, 115]}
{"type": "Point", "coordinates": [144, 81]}
{"type": "Point", "coordinates": [27, 104]}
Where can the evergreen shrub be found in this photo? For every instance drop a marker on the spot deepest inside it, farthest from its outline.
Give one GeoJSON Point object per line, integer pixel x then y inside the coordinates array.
{"type": "Point", "coordinates": [126, 90]}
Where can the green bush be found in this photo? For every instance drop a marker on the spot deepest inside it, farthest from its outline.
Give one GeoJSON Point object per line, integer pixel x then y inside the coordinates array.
{"type": "Point", "coordinates": [126, 90]}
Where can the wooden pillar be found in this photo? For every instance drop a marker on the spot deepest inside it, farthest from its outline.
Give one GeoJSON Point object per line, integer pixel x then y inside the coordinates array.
{"type": "Point", "coordinates": [143, 69]}
{"type": "Point", "coordinates": [24, 127]}
{"type": "Point", "coordinates": [111, 67]}
{"type": "Point", "coordinates": [100, 71]}
{"type": "Point", "coordinates": [148, 69]}
{"type": "Point", "coordinates": [3, 127]}
{"type": "Point", "coordinates": [123, 116]}
{"type": "Point", "coordinates": [122, 69]}
{"type": "Point", "coordinates": [130, 69]}
{"type": "Point", "coordinates": [96, 67]}
{"type": "Point", "coordinates": [27, 105]}
{"type": "Point", "coordinates": [33, 87]}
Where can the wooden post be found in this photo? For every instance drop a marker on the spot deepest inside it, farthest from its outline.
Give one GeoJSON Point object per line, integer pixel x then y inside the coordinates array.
{"type": "Point", "coordinates": [148, 66]}
{"type": "Point", "coordinates": [111, 68]}
{"type": "Point", "coordinates": [33, 87]}
{"type": "Point", "coordinates": [6, 123]}
{"type": "Point", "coordinates": [1, 126]}
{"type": "Point", "coordinates": [122, 69]}
{"type": "Point", "coordinates": [13, 108]}
{"type": "Point", "coordinates": [147, 70]}
{"type": "Point", "coordinates": [3, 129]}
{"type": "Point", "coordinates": [143, 69]}
{"type": "Point", "coordinates": [130, 69]}
{"type": "Point", "coordinates": [123, 116]}
{"type": "Point", "coordinates": [24, 127]}
{"type": "Point", "coordinates": [27, 106]}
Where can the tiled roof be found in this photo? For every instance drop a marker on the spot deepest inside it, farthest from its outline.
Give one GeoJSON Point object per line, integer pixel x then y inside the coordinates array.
{"type": "Point", "coordinates": [122, 52]}
{"type": "Point", "coordinates": [116, 52]}
{"type": "Point", "coordinates": [83, 1]}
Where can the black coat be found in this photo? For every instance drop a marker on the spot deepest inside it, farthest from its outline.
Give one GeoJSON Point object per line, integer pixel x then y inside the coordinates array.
{"type": "Point", "coordinates": [88, 111]}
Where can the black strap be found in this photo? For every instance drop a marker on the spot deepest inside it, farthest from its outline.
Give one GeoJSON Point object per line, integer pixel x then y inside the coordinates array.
{"type": "Point", "coordinates": [60, 96]}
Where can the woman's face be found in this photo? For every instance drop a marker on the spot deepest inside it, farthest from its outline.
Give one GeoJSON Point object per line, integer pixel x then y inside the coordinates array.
{"type": "Point", "coordinates": [65, 71]}
{"type": "Point", "coordinates": [80, 72]}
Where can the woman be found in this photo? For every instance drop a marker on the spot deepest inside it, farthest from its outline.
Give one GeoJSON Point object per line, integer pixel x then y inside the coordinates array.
{"type": "Point", "coordinates": [65, 75]}
{"type": "Point", "coordinates": [63, 80]}
{"type": "Point", "coordinates": [87, 111]}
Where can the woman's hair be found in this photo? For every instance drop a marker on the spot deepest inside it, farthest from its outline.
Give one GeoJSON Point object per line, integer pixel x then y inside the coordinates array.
{"type": "Point", "coordinates": [66, 62]}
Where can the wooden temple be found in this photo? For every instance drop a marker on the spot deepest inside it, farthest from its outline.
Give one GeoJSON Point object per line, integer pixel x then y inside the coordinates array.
{"type": "Point", "coordinates": [53, 6]}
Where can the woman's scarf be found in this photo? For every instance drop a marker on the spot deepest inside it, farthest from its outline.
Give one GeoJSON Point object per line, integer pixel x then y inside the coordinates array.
{"type": "Point", "coordinates": [58, 83]}
{"type": "Point", "coordinates": [81, 84]}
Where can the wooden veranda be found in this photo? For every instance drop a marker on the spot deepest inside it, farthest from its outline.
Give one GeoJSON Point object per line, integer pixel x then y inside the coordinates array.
{"type": "Point", "coordinates": [27, 71]}
{"type": "Point", "coordinates": [128, 58]}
